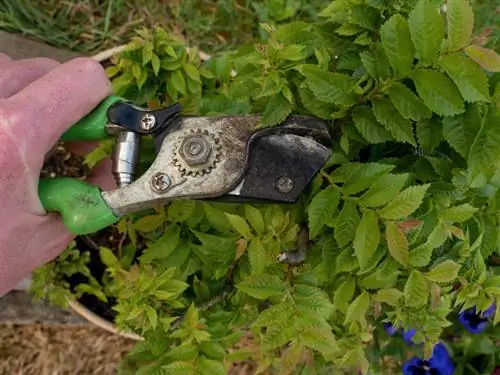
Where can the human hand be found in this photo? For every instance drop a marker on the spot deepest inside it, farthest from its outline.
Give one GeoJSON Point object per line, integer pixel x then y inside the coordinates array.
{"type": "Point", "coordinates": [39, 100]}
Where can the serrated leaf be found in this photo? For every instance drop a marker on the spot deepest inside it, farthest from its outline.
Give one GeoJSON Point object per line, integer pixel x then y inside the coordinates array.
{"type": "Point", "coordinates": [255, 219]}
{"type": "Point", "coordinates": [179, 368]}
{"type": "Point", "coordinates": [164, 246]}
{"type": "Point", "coordinates": [291, 357]}
{"type": "Point", "coordinates": [438, 92]}
{"type": "Point", "coordinates": [329, 87]}
{"type": "Point", "coordinates": [460, 17]}
{"type": "Point", "coordinates": [391, 296]}
{"type": "Point", "coordinates": [257, 255]}
{"type": "Point", "coordinates": [358, 308]}
{"type": "Point", "coordinates": [367, 237]}
{"type": "Point", "coordinates": [397, 43]}
{"type": "Point", "coordinates": [487, 58]}
{"type": "Point", "coordinates": [316, 107]}
{"type": "Point", "coordinates": [397, 243]}
{"type": "Point", "coordinates": [277, 110]}
{"type": "Point", "coordinates": [262, 286]}
{"type": "Point", "coordinates": [364, 177]}
{"type": "Point", "coordinates": [383, 190]}
{"type": "Point", "coordinates": [416, 290]}
{"type": "Point", "coordinates": [276, 312]}
{"type": "Point", "coordinates": [461, 130]}
{"type": "Point", "coordinates": [346, 223]}
{"type": "Point", "coordinates": [152, 317]}
{"type": "Point", "coordinates": [108, 257]}
{"type": "Point", "coordinates": [444, 272]}
{"type": "Point", "coordinates": [293, 52]}
{"type": "Point", "coordinates": [178, 81]}
{"type": "Point", "coordinates": [321, 209]}
{"type": "Point", "coordinates": [470, 79]}
{"type": "Point", "coordinates": [215, 248]}
{"type": "Point", "coordinates": [240, 224]}
{"type": "Point", "coordinates": [427, 30]}
{"type": "Point", "coordinates": [192, 72]}
{"type": "Point", "coordinates": [155, 63]}
{"type": "Point", "coordinates": [205, 366]}
{"type": "Point", "coordinates": [405, 203]}
{"type": "Point", "coordinates": [343, 294]}
{"type": "Point", "coordinates": [400, 128]}
{"type": "Point", "coordinates": [183, 352]}
{"type": "Point", "coordinates": [217, 219]}
{"type": "Point", "coordinates": [496, 318]}
{"type": "Point", "coordinates": [429, 134]}
{"type": "Point", "coordinates": [346, 261]}
{"type": "Point", "coordinates": [319, 339]}
{"type": "Point", "coordinates": [409, 105]}
{"type": "Point", "coordinates": [459, 213]}
{"type": "Point", "coordinates": [311, 298]}
{"type": "Point", "coordinates": [365, 122]}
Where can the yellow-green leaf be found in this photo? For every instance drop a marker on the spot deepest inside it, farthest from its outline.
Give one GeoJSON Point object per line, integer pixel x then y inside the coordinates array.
{"type": "Point", "coordinates": [262, 286]}
{"type": "Point", "coordinates": [387, 114]}
{"type": "Point", "coordinates": [107, 257]}
{"type": "Point", "coordinates": [460, 17]}
{"type": "Point", "coordinates": [409, 105]}
{"type": "Point", "coordinates": [205, 366]}
{"type": "Point", "coordinates": [384, 190]}
{"type": "Point", "coordinates": [391, 296]}
{"type": "Point", "coordinates": [416, 290]}
{"type": "Point", "coordinates": [319, 339]}
{"type": "Point", "coordinates": [397, 43]}
{"type": "Point", "coordinates": [444, 272]}
{"type": "Point", "coordinates": [358, 308]}
{"type": "Point", "coordinates": [397, 243]}
{"type": "Point", "coordinates": [427, 30]}
{"type": "Point", "coordinates": [321, 209]}
{"type": "Point", "coordinates": [259, 258]}
{"type": "Point", "coordinates": [405, 203]}
{"type": "Point", "coordinates": [240, 224]}
{"type": "Point", "coordinates": [367, 237]}
{"type": "Point", "coordinates": [255, 218]}
{"type": "Point", "coordinates": [276, 111]}
{"type": "Point", "coordinates": [438, 92]}
{"type": "Point", "coordinates": [470, 79]}
{"type": "Point", "coordinates": [365, 122]}
{"type": "Point", "coordinates": [487, 58]}
{"type": "Point", "coordinates": [343, 294]}
{"type": "Point", "coordinates": [346, 223]}
{"type": "Point", "coordinates": [459, 213]}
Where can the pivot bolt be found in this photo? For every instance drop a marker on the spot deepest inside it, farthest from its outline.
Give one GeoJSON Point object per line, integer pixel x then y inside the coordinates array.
{"type": "Point", "coordinates": [160, 182]}
{"type": "Point", "coordinates": [195, 149]}
{"type": "Point", "coordinates": [148, 121]}
{"type": "Point", "coordinates": [284, 185]}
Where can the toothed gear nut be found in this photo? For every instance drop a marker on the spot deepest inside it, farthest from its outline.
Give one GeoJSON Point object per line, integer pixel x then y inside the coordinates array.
{"type": "Point", "coordinates": [198, 153]}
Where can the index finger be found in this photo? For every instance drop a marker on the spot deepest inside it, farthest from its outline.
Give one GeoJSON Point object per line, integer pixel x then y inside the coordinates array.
{"type": "Point", "coordinates": [47, 107]}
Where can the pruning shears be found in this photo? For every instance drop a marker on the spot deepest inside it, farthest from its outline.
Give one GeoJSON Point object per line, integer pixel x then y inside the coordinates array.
{"type": "Point", "coordinates": [221, 158]}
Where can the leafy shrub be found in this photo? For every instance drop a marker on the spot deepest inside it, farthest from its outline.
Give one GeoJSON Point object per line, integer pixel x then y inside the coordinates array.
{"type": "Point", "coordinates": [401, 226]}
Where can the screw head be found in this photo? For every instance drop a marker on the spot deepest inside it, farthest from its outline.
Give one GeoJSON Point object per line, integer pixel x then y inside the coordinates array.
{"type": "Point", "coordinates": [148, 121]}
{"type": "Point", "coordinates": [284, 184]}
{"type": "Point", "coordinates": [160, 182]}
{"type": "Point", "coordinates": [195, 149]}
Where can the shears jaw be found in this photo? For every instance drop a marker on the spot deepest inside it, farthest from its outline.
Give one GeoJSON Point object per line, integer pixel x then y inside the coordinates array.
{"type": "Point", "coordinates": [224, 158]}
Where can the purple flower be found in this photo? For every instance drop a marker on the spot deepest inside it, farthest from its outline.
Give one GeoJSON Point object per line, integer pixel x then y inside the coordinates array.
{"type": "Point", "coordinates": [474, 322]}
{"type": "Point", "coordinates": [439, 364]}
{"type": "Point", "coordinates": [407, 335]}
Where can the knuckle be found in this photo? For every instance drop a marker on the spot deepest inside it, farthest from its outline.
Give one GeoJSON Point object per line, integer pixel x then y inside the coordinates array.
{"type": "Point", "coordinates": [87, 65]}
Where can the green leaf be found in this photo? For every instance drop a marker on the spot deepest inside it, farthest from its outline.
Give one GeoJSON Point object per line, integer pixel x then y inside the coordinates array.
{"type": "Point", "coordinates": [344, 294]}
{"type": "Point", "coordinates": [319, 339]}
{"type": "Point", "coordinates": [152, 317]}
{"type": "Point", "coordinates": [416, 290]}
{"type": "Point", "coordinates": [364, 177]}
{"type": "Point", "coordinates": [470, 79]}
{"type": "Point", "coordinates": [178, 81]}
{"type": "Point", "coordinates": [240, 224]}
{"type": "Point", "coordinates": [108, 257]}
{"type": "Point", "coordinates": [444, 272]}
{"type": "Point", "coordinates": [400, 128]}
{"type": "Point", "coordinates": [329, 87]}
{"type": "Point", "coordinates": [183, 352]}
{"type": "Point", "coordinates": [217, 219]}
{"type": "Point", "coordinates": [405, 203]}
{"type": "Point", "coordinates": [397, 243]}
{"type": "Point", "coordinates": [258, 256]}
{"type": "Point", "coordinates": [179, 368]}
{"type": "Point", "coordinates": [429, 134]}
{"type": "Point", "coordinates": [365, 122]}
{"type": "Point", "coordinates": [262, 286]}
{"type": "Point", "coordinates": [293, 52]}
{"type": "Point", "coordinates": [398, 46]}
{"type": "Point", "coordinates": [316, 107]}
{"type": "Point", "coordinates": [438, 92]}
{"type": "Point", "coordinates": [321, 210]}
{"type": "Point", "coordinates": [212, 349]}
{"type": "Point", "coordinates": [367, 237]}
{"type": "Point", "coordinates": [155, 63]}
{"type": "Point", "coordinates": [487, 58]}
{"type": "Point", "coordinates": [383, 190]}
{"type": "Point", "coordinates": [255, 219]}
{"type": "Point", "coordinates": [215, 248]}
{"type": "Point", "coordinates": [427, 30]}
{"type": "Point", "coordinates": [407, 103]}
{"type": "Point", "coordinates": [192, 72]}
{"type": "Point", "coordinates": [391, 296]}
{"type": "Point", "coordinates": [205, 366]}
{"type": "Point", "coordinates": [277, 110]}
{"type": "Point", "coordinates": [459, 213]}
{"type": "Point", "coordinates": [346, 224]}
{"type": "Point", "coordinates": [164, 246]}
{"type": "Point", "coordinates": [460, 17]}
{"type": "Point", "coordinates": [461, 130]}
{"type": "Point", "coordinates": [358, 308]}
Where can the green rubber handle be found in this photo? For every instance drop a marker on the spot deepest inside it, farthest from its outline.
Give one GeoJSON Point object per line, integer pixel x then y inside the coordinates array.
{"type": "Point", "coordinates": [81, 205]}
{"type": "Point", "coordinates": [92, 127]}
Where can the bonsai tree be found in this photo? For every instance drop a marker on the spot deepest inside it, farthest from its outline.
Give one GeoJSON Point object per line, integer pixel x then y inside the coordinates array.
{"type": "Point", "coordinates": [389, 260]}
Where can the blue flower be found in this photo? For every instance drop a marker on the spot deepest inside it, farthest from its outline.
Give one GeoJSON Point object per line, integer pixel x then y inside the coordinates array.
{"type": "Point", "coordinates": [407, 335]}
{"type": "Point", "coordinates": [439, 364]}
{"type": "Point", "coordinates": [474, 322]}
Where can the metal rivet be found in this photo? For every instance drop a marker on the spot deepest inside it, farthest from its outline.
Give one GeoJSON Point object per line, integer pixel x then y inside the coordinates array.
{"type": "Point", "coordinates": [148, 121]}
{"type": "Point", "coordinates": [284, 184]}
{"type": "Point", "coordinates": [160, 182]}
